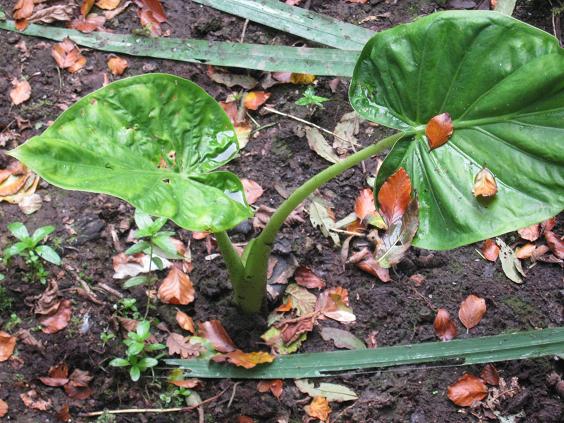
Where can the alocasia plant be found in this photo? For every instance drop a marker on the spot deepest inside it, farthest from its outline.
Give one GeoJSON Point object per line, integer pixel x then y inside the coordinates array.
{"type": "Point", "coordinates": [491, 87]}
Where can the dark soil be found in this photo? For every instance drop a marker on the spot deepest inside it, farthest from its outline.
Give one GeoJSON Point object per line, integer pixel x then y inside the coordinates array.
{"type": "Point", "coordinates": [399, 312]}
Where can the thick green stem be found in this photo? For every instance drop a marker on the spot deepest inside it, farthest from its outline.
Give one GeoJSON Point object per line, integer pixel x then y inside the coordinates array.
{"type": "Point", "coordinates": [232, 261]}
{"type": "Point", "coordinates": [256, 264]}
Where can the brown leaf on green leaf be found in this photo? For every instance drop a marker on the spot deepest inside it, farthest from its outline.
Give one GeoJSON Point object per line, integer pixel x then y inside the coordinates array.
{"type": "Point", "coordinates": [394, 196]}
{"type": "Point", "coordinates": [485, 184]}
{"type": "Point", "coordinates": [466, 390]}
{"type": "Point", "coordinates": [243, 359]}
{"type": "Point", "coordinates": [178, 344]}
{"type": "Point", "coordinates": [438, 130]}
{"type": "Point", "coordinates": [214, 332]}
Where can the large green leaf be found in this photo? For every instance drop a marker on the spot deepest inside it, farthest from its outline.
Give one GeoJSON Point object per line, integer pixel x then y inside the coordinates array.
{"type": "Point", "coordinates": [113, 140]}
{"type": "Point", "coordinates": [502, 82]}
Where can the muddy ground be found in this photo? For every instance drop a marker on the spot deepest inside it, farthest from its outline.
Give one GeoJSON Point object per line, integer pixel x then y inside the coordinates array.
{"type": "Point", "coordinates": [399, 312]}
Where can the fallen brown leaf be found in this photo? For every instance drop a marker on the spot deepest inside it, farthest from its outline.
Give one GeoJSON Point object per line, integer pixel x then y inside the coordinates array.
{"type": "Point", "coordinates": [3, 408]}
{"type": "Point", "coordinates": [48, 302]}
{"type": "Point", "coordinates": [394, 196]}
{"type": "Point", "coordinates": [63, 414]}
{"type": "Point", "coordinates": [525, 251]}
{"type": "Point", "coordinates": [305, 277]}
{"type": "Point", "coordinates": [117, 65]}
{"type": "Point", "coordinates": [530, 233]}
{"type": "Point", "coordinates": [21, 91]}
{"type": "Point", "coordinates": [7, 345]}
{"type": "Point", "coordinates": [274, 386]}
{"type": "Point", "coordinates": [214, 332]}
{"type": "Point", "coordinates": [178, 344]}
{"type": "Point", "coordinates": [291, 329]}
{"type": "Point", "coordinates": [418, 279]}
{"type": "Point", "coordinates": [243, 359]}
{"type": "Point", "coordinates": [364, 206]}
{"type": "Point", "coordinates": [67, 56]}
{"type": "Point", "coordinates": [31, 399]}
{"type": "Point", "coordinates": [555, 244]}
{"type": "Point", "coordinates": [484, 184]}
{"type": "Point", "coordinates": [185, 322]}
{"type": "Point", "coordinates": [53, 323]}
{"type": "Point", "coordinates": [438, 130]}
{"type": "Point", "coordinates": [176, 288]}
{"type": "Point", "coordinates": [490, 250]}
{"type": "Point", "coordinates": [89, 24]}
{"type": "Point", "coordinates": [78, 386]}
{"type": "Point", "coordinates": [21, 12]}
{"type": "Point", "coordinates": [466, 390]}
{"type": "Point", "coordinates": [253, 190]}
{"type": "Point", "coordinates": [444, 326]}
{"type": "Point", "coordinates": [318, 408]}
{"type": "Point", "coordinates": [57, 376]}
{"type": "Point", "coordinates": [108, 4]}
{"type": "Point", "coordinates": [334, 303]}
{"type": "Point", "coordinates": [490, 375]}
{"type": "Point", "coordinates": [366, 262]}
{"type": "Point", "coordinates": [86, 6]}
{"type": "Point", "coordinates": [471, 311]}
{"type": "Point", "coordinates": [230, 79]}
{"type": "Point", "coordinates": [255, 99]}
{"type": "Point", "coordinates": [187, 383]}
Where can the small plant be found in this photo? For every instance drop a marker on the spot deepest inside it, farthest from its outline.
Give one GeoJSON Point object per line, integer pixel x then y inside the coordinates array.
{"type": "Point", "coordinates": [309, 97]}
{"type": "Point", "coordinates": [137, 348]}
{"type": "Point", "coordinates": [31, 250]}
{"type": "Point", "coordinates": [12, 323]}
{"type": "Point", "coordinates": [127, 307]}
{"type": "Point", "coordinates": [175, 396]}
{"type": "Point", "coordinates": [449, 83]}
{"type": "Point", "coordinates": [106, 337]}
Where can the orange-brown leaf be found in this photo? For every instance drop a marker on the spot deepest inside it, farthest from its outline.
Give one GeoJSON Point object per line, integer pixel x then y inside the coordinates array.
{"type": "Point", "coordinates": [490, 250]}
{"type": "Point", "coordinates": [63, 414]}
{"type": "Point", "coordinates": [176, 288]}
{"type": "Point", "coordinates": [214, 332]}
{"type": "Point", "coordinates": [88, 24]}
{"type": "Point", "coordinates": [7, 345]}
{"type": "Point", "coordinates": [78, 386]}
{"type": "Point", "coordinates": [23, 9]}
{"type": "Point", "coordinates": [255, 99]}
{"type": "Point", "coordinates": [525, 251]}
{"type": "Point", "coordinates": [466, 390]}
{"type": "Point", "coordinates": [156, 9]}
{"type": "Point", "coordinates": [484, 184]}
{"type": "Point", "coordinates": [490, 375]}
{"type": "Point", "coordinates": [274, 386]}
{"type": "Point", "coordinates": [438, 130]}
{"type": "Point", "coordinates": [243, 359]}
{"type": "Point", "coordinates": [53, 323]}
{"type": "Point", "coordinates": [253, 190]}
{"type": "Point", "coordinates": [57, 376]}
{"type": "Point", "coordinates": [394, 196]}
{"type": "Point", "coordinates": [3, 408]}
{"type": "Point", "coordinates": [530, 233]}
{"type": "Point", "coordinates": [555, 244]}
{"type": "Point", "coordinates": [444, 326]}
{"type": "Point", "coordinates": [319, 409]}
{"type": "Point", "coordinates": [364, 206]}
{"type": "Point", "coordinates": [31, 399]}
{"type": "Point", "coordinates": [117, 65]}
{"type": "Point", "coordinates": [334, 303]}
{"type": "Point", "coordinates": [471, 311]}
{"type": "Point", "coordinates": [86, 6]}
{"type": "Point", "coordinates": [305, 277]}
{"type": "Point", "coordinates": [185, 321]}
{"type": "Point", "coordinates": [107, 4]}
{"type": "Point", "coordinates": [67, 55]}
{"type": "Point", "coordinates": [178, 344]}
{"type": "Point", "coordinates": [21, 91]}
{"type": "Point", "coordinates": [187, 383]}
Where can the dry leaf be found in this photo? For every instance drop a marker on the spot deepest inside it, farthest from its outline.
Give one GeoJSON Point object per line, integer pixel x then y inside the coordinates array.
{"type": "Point", "coordinates": [555, 244]}
{"type": "Point", "coordinates": [214, 332]}
{"type": "Point", "coordinates": [91, 23]}
{"type": "Point", "coordinates": [21, 12]}
{"type": "Point", "coordinates": [86, 6]}
{"type": "Point", "coordinates": [7, 345]}
{"type": "Point", "coordinates": [63, 414]}
{"type": "Point", "coordinates": [334, 303]}
{"type": "Point", "coordinates": [319, 144]}
{"type": "Point", "coordinates": [21, 91]}
{"type": "Point", "coordinates": [131, 265]}
{"type": "Point", "coordinates": [471, 311]}
{"type": "Point", "coordinates": [292, 329]}
{"type": "Point", "coordinates": [78, 386]}
{"type": "Point", "coordinates": [484, 184]}
{"type": "Point", "coordinates": [438, 130]}
{"type": "Point", "coordinates": [112, 14]}
{"type": "Point", "coordinates": [187, 383]}
{"type": "Point", "coordinates": [490, 250]}
{"type": "Point", "coordinates": [418, 279]}
{"type": "Point", "coordinates": [255, 99]}
{"type": "Point", "coordinates": [67, 55]}
{"type": "Point", "coordinates": [366, 262]}
{"type": "Point", "coordinates": [345, 132]}
{"type": "Point", "coordinates": [57, 376]}
{"type": "Point", "coordinates": [364, 206]}
{"type": "Point", "coordinates": [231, 79]}
{"type": "Point", "coordinates": [243, 359]}
{"type": "Point", "coordinates": [178, 344]}
{"type": "Point", "coordinates": [253, 191]}
{"type": "Point", "coordinates": [275, 386]}
{"type": "Point", "coordinates": [176, 288]}
{"type": "Point", "coordinates": [303, 301]}
{"type": "Point", "coordinates": [490, 375]}
{"type": "Point", "coordinates": [444, 326]}
{"type": "Point", "coordinates": [185, 322]}
{"type": "Point", "coordinates": [58, 12]}
{"type": "Point", "coordinates": [117, 65]}
{"type": "Point", "coordinates": [155, 7]}
{"type": "Point", "coordinates": [59, 320]}
{"type": "Point", "coordinates": [321, 216]}
{"type": "Point", "coordinates": [525, 251]}
{"type": "Point", "coordinates": [306, 278]}
{"type": "Point", "coordinates": [342, 338]}
{"type": "Point", "coordinates": [48, 302]}
{"type": "Point", "coordinates": [466, 390]}
{"type": "Point", "coordinates": [29, 204]}
{"type": "Point", "coordinates": [107, 4]}
{"type": "Point", "coordinates": [394, 196]}
{"type": "Point", "coordinates": [3, 408]}
{"type": "Point", "coordinates": [32, 400]}
{"type": "Point", "coordinates": [530, 233]}
{"type": "Point", "coordinates": [319, 409]}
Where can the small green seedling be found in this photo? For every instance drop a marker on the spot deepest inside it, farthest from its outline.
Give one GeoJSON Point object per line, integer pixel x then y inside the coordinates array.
{"type": "Point", "coordinates": [450, 84]}
{"type": "Point", "coordinates": [106, 336]}
{"type": "Point", "coordinates": [31, 250]}
{"type": "Point", "coordinates": [12, 323]}
{"type": "Point", "coordinates": [175, 397]}
{"type": "Point", "coordinates": [137, 348]}
{"type": "Point", "coordinates": [309, 98]}
{"type": "Point", "coordinates": [152, 241]}
{"type": "Point", "coordinates": [127, 307]}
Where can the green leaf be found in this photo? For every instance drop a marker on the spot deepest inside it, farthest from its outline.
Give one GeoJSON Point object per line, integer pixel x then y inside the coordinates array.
{"type": "Point", "coordinates": [143, 329]}
{"type": "Point", "coordinates": [135, 348]}
{"type": "Point", "coordinates": [119, 362]}
{"type": "Point", "coordinates": [14, 250]}
{"type": "Point", "coordinates": [113, 140]}
{"type": "Point", "coordinates": [155, 347]}
{"type": "Point", "coordinates": [510, 264]}
{"type": "Point", "coordinates": [166, 246]}
{"type": "Point", "coordinates": [135, 281]}
{"type": "Point", "coordinates": [48, 254]}
{"type": "Point", "coordinates": [502, 82]}
{"type": "Point", "coordinates": [41, 233]}
{"type": "Point", "coordinates": [147, 362]}
{"type": "Point", "coordinates": [331, 391]}
{"type": "Point", "coordinates": [134, 373]}
{"type": "Point", "coordinates": [138, 248]}
{"type": "Point", "coordinates": [142, 220]}
{"type": "Point", "coordinates": [19, 230]}
{"type": "Point", "coordinates": [342, 338]}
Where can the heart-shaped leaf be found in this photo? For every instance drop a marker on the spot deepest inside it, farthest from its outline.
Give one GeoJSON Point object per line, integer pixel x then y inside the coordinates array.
{"type": "Point", "coordinates": [153, 140]}
{"type": "Point", "coordinates": [502, 84]}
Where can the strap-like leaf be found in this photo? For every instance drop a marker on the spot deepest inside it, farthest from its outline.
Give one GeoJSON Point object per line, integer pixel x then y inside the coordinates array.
{"type": "Point", "coordinates": [502, 83]}
{"type": "Point", "coordinates": [113, 141]}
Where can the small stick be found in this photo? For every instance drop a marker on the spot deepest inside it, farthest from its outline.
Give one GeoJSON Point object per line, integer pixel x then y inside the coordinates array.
{"type": "Point", "coordinates": [244, 30]}
{"type": "Point", "coordinates": [90, 295]}
{"type": "Point", "coordinates": [233, 394]}
{"type": "Point", "coordinates": [153, 410]}
{"type": "Point", "coordinates": [327, 131]}
{"type": "Point", "coordinates": [103, 287]}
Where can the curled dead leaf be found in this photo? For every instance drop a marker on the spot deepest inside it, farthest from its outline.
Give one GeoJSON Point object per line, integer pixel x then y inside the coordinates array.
{"type": "Point", "coordinates": [78, 386]}
{"type": "Point", "coordinates": [255, 99]}
{"type": "Point", "coordinates": [187, 383]}
{"type": "Point", "coordinates": [438, 130]}
{"type": "Point", "coordinates": [525, 251]}
{"type": "Point", "coordinates": [53, 323]}
{"type": "Point", "coordinates": [117, 65]}
{"type": "Point", "coordinates": [253, 190]}
{"type": "Point", "coordinates": [85, 6]}
{"type": "Point", "coordinates": [444, 326]}
{"type": "Point", "coordinates": [21, 91]}
{"type": "Point", "coordinates": [394, 196]}
{"type": "Point", "coordinates": [471, 311]}
{"type": "Point", "coordinates": [318, 408]}
{"type": "Point", "coordinates": [334, 303]}
{"type": "Point", "coordinates": [364, 206]}
{"type": "Point", "coordinates": [7, 345]}
{"type": "Point", "coordinates": [555, 244]}
{"type": "Point", "coordinates": [530, 233]}
{"type": "Point", "coordinates": [176, 288]}
{"type": "Point", "coordinates": [178, 344]}
{"type": "Point", "coordinates": [466, 390]}
{"type": "Point", "coordinates": [305, 277]}
{"type": "Point", "coordinates": [67, 56]}
{"type": "Point", "coordinates": [108, 4]}
{"type": "Point", "coordinates": [490, 250]}
{"type": "Point", "coordinates": [490, 375]}
{"type": "Point", "coordinates": [214, 332]}
{"type": "Point", "coordinates": [484, 184]}
{"type": "Point", "coordinates": [21, 12]}
{"type": "Point", "coordinates": [243, 359]}
{"type": "Point", "coordinates": [366, 262]}
{"type": "Point", "coordinates": [274, 386]}
{"type": "Point", "coordinates": [185, 322]}
{"type": "Point", "coordinates": [58, 376]}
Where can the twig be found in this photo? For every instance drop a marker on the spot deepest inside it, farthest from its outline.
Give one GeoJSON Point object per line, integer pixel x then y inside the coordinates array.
{"type": "Point", "coordinates": [244, 30]}
{"type": "Point", "coordinates": [310, 124]}
{"type": "Point", "coordinates": [90, 295]}
{"type": "Point", "coordinates": [233, 394]}
{"type": "Point", "coordinates": [153, 410]}
{"type": "Point", "coordinates": [108, 289]}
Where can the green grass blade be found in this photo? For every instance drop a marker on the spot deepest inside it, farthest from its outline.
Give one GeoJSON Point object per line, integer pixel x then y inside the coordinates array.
{"type": "Point", "coordinates": [318, 61]}
{"type": "Point", "coordinates": [505, 6]}
{"type": "Point", "coordinates": [303, 23]}
{"type": "Point", "coordinates": [513, 346]}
